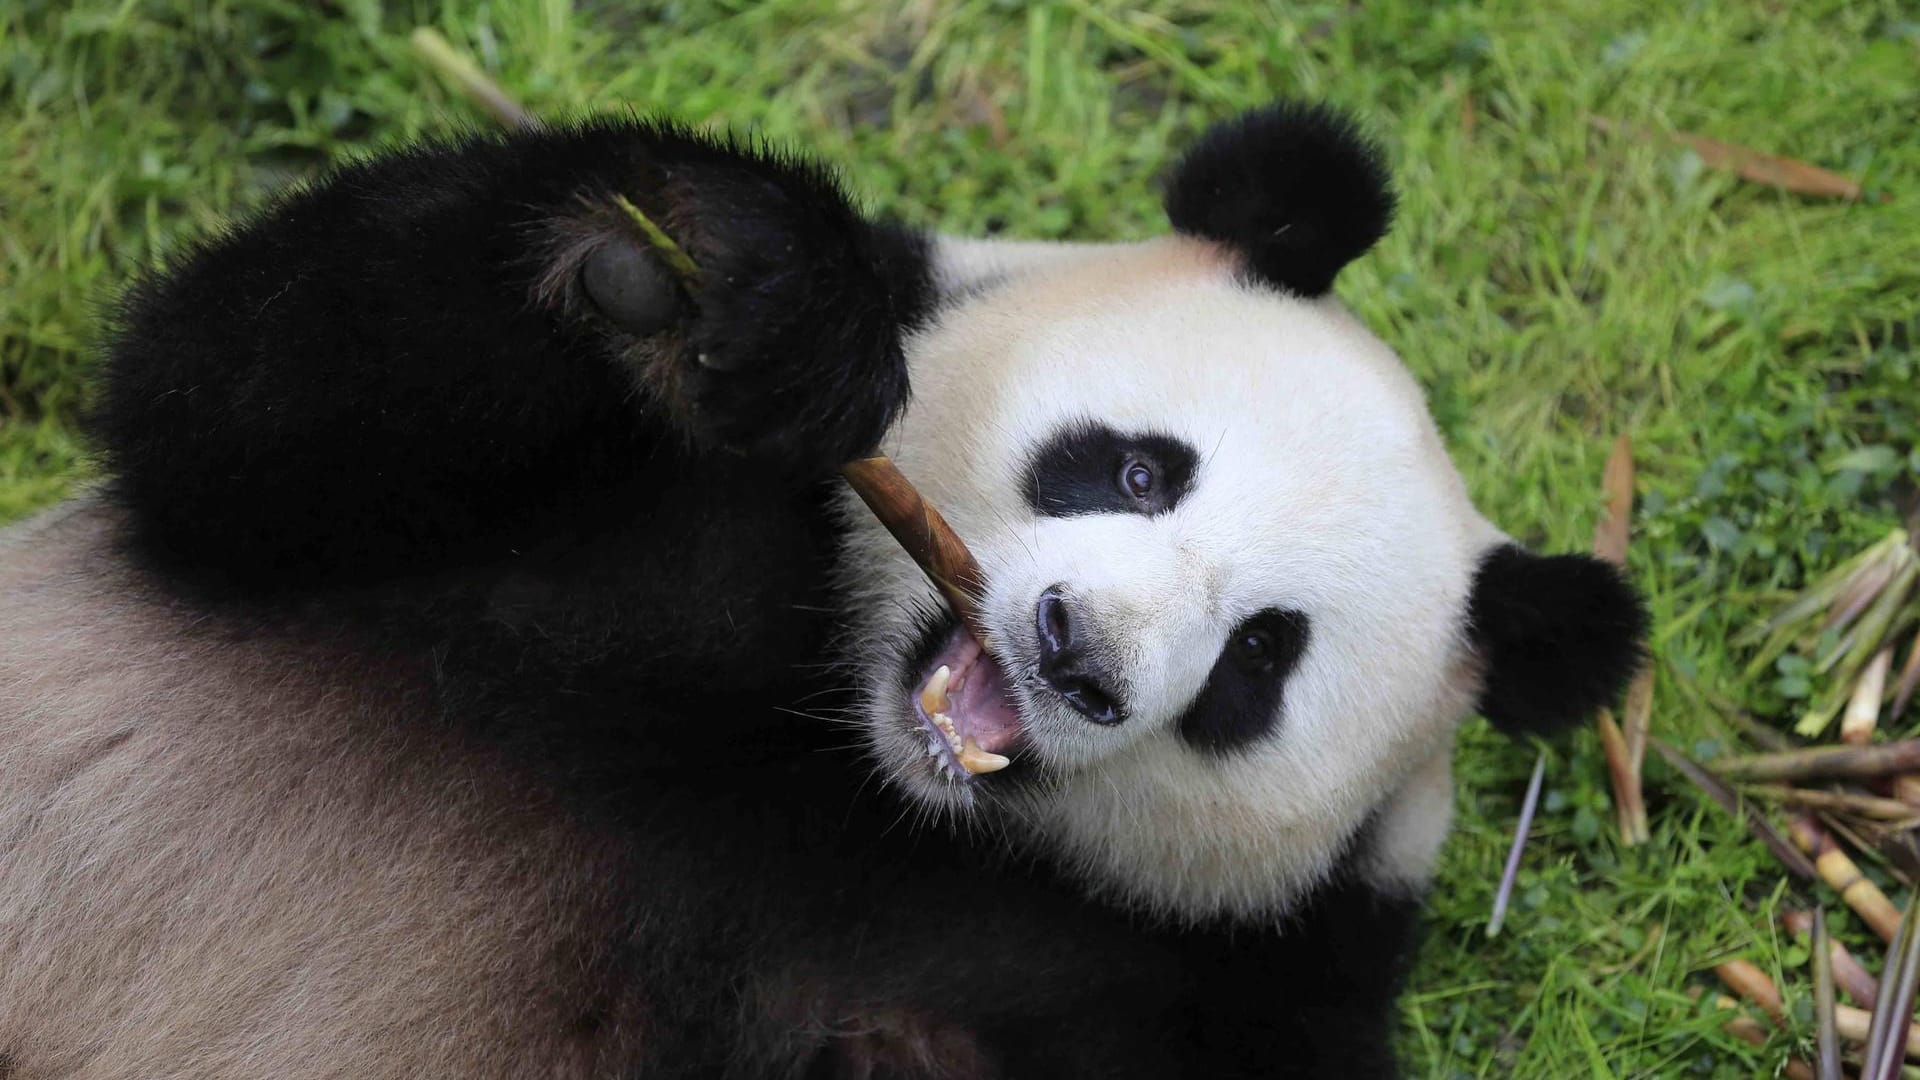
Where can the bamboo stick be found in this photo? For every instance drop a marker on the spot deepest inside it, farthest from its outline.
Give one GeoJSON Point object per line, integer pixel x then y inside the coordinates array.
{"type": "Point", "coordinates": [923, 533]}
{"type": "Point", "coordinates": [1824, 763]}
{"type": "Point", "coordinates": [1844, 877]}
{"type": "Point", "coordinates": [1848, 974]}
{"type": "Point", "coordinates": [1869, 806]}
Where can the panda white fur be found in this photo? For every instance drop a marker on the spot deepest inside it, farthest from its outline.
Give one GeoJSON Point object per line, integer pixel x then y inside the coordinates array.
{"type": "Point", "coordinates": [472, 667]}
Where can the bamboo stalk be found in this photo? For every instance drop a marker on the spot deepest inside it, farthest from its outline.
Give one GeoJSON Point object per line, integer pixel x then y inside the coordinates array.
{"type": "Point", "coordinates": [923, 533]}
{"type": "Point", "coordinates": [1824, 763]}
{"type": "Point", "coordinates": [1863, 708]}
{"type": "Point", "coordinates": [1826, 1034]}
{"type": "Point", "coordinates": [1779, 632]}
{"type": "Point", "coordinates": [1743, 978]}
{"type": "Point", "coordinates": [1869, 806]}
{"type": "Point", "coordinates": [1844, 877]}
{"type": "Point", "coordinates": [1846, 659]}
{"type": "Point", "coordinates": [1848, 974]}
{"type": "Point", "coordinates": [1856, 1026]}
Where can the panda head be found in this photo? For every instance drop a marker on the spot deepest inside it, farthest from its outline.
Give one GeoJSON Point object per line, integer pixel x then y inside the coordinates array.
{"type": "Point", "coordinates": [1237, 598]}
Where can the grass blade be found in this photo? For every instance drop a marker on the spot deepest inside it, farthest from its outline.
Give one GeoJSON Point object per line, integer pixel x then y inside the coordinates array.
{"type": "Point", "coordinates": [1826, 1037]}
{"type": "Point", "coordinates": [1730, 800]}
{"type": "Point", "coordinates": [451, 65]}
{"type": "Point", "coordinates": [1520, 831]}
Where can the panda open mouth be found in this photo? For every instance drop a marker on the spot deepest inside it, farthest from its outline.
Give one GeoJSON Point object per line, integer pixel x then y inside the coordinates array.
{"type": "Point", "coordinates": [966, 709]}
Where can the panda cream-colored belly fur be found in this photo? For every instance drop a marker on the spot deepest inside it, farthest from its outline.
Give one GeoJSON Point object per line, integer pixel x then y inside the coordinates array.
{"type": "Point", "coordinates": [230, 857]}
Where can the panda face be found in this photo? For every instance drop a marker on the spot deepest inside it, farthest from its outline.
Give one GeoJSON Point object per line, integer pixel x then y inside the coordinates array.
{"type": "Point", "coordinates": [1228, 570]}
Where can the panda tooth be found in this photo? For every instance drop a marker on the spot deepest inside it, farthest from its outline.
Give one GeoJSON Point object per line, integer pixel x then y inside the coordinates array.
{"type": "Point", "coordinates": [933, 696]}
{"type": "Point", "coordinates": [978, 761]}
{"type": "Point", "coordinates": [945, 724]}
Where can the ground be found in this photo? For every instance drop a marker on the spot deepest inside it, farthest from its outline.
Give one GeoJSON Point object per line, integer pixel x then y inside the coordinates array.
{"type": "Point", "coordinates": [1553, 284]}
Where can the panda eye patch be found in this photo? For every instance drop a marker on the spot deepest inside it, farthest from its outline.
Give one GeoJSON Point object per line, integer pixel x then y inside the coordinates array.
{"type": "Point", "coordinates": [1090, 468]}
{"type": "Point", "coordinates": [630, 289]}
{"type": "Point", "coordinates": [1244, 696]}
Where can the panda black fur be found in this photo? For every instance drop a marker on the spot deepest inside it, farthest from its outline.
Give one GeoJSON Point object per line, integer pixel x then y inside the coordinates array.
{"type": "Point", "coordinates": [472, 668]}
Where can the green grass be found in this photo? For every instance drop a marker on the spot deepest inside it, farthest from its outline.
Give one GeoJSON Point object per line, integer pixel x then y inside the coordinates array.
{"type": "Point", "coordinates": [1553, 285]}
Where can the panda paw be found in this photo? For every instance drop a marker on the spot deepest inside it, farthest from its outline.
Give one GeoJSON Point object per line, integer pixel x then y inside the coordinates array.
{"type": "Point", "coordinates": [782, 341]}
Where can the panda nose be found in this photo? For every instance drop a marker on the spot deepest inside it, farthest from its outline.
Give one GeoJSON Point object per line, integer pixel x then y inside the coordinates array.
{"type": "Point", "coordinates": [1064, 663]}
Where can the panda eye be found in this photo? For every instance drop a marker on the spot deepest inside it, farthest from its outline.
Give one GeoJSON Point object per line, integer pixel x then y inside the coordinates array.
{"type": "Point", "coordinates": [1254, 650]}
{"type": "Point", "coordinates": [1137, 478]}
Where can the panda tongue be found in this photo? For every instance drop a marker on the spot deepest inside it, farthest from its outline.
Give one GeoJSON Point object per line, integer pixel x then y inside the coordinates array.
{"type": "Point", "coordinates": [978, 700]}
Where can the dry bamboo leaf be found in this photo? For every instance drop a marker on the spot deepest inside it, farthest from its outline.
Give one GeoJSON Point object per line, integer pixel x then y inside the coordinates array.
{"type": "Point", "coordinates": [1625, 749]}
{"type": "Point", "coordinates": [1637, 717]}
{"type": "Point", "coordinates": [1616, 483]}
{"type": "Point", "coordinates": [1787, 174]}
{"type": "Point", "coordinates": [1629, 809]}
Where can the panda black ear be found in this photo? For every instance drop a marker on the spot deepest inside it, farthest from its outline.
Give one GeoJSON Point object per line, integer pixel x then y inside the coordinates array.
{"type": "Point", "coordinates": [1559, 637]}
{"type": "Point", "coordinates": [1294, 187]}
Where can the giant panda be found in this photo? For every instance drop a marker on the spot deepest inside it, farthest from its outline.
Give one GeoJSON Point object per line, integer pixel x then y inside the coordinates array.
{"type": "Point", "coordinates": [471, 666]}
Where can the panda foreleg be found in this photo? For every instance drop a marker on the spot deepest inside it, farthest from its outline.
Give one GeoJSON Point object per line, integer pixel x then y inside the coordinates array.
{"type": "Point", "coordinates": [449, 353]}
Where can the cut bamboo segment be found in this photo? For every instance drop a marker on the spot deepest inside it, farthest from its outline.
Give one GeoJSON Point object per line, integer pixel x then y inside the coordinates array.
{"type": "Point", "coordinates": [1863, 708]}
{"type": "Point", "coordinates": [1848, 974]}
{"type": "Point", "coordinates": [1845, 878]}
